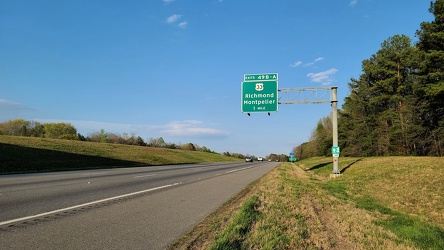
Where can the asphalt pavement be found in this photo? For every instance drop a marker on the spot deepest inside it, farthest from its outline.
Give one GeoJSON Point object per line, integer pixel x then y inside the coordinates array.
{"type": "Point", "coordinates": [135, 208]}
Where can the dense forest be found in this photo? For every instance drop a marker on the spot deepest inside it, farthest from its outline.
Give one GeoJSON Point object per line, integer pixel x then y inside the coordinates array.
{"type": "Point", "coordinates": [396, 106]}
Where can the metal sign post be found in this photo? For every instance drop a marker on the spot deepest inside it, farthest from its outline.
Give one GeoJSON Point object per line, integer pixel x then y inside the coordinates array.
{"type": "Point", "coordinates": [259, 94]}
{"type": "Point", "coordinates": [334, 121]}
{"type": "Point", "coordinates": [316, 95]}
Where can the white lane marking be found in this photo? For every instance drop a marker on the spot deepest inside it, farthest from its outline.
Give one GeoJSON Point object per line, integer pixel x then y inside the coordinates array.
{"type": "Point", "coordinates": [95, 173]}
{"type": "Point", "coordinates": [85, 204]}
{"type": "Point", "coordinates": [142, 176]}
{"type": "Point", "coordinates": [236, 170]}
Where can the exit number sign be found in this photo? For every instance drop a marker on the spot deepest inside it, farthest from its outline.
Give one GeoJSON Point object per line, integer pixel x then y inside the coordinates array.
{"type": "Point", "coordinates": [261, 77]}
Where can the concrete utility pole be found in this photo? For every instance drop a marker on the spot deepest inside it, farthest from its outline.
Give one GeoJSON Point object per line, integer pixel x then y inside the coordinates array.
{"type": "Point", "coordinates": [316, 96]}
{"type": "Point", "coordinates": [334, 120]}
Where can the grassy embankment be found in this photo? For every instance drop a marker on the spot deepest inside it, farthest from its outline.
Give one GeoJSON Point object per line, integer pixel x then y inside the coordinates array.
{"type": "Point", "coordinates": [28, 154]}
{"type": "Point", "coordinates": [378, 203]}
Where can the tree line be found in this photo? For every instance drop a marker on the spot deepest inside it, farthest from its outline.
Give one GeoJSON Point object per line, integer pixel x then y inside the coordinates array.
{"type": "Point", "coordinates": [67, 131]}
{"type": "Point", "coordinates": [271, 157]}
{"type": "Point", "coordinates": [396, 106]}
{"type": "Point", "coordinates": [20, 127]}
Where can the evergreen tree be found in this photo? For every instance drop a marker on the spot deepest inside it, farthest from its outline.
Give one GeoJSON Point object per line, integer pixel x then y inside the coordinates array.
{"type": "Point", "coordinates": [103, 136]}
{"type": "Point", "coordinates": [396, 106]}
{"type": "Point", "coordinates": [377, 115]}
{"type": "Point", "coordinates": [431, 73]}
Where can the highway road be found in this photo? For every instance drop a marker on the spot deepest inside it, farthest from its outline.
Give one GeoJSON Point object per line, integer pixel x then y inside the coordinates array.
{"type": "Point", "coordinates": [124, 208]}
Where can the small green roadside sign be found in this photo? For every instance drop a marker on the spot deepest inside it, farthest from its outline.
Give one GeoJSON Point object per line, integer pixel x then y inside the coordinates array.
{"type": "Point", "coordinates": [335, 151]}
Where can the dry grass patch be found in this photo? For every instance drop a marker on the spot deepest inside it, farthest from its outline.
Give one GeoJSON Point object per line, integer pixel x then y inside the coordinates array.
{"type": "Point", "coordinates": [205, 233]}
{"type": "Point", "coordinates": [299, 215]}
{"type": "Point", "coordinates": [296, 214]}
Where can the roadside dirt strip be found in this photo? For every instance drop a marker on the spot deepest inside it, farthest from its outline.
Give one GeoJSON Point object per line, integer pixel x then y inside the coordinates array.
{"type": "Point", "coordinates": [147, 221]}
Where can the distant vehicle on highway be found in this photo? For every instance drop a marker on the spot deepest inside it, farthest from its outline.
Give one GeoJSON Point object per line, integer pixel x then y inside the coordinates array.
{"type": "Point", "coordinates": [260, 159]}
{"type": "Point", "coordinates": [248, 159]}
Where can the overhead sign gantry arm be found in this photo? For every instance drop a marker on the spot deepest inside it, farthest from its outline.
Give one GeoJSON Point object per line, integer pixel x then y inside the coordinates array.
{"type": "Point", "coordinates": [304, 95]}
{"type": "Point", "coordinates": [316, 95]}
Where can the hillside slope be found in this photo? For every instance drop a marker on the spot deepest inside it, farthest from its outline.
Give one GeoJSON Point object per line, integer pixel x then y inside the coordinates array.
{"type": "Point", "coordinates": [29, 154]}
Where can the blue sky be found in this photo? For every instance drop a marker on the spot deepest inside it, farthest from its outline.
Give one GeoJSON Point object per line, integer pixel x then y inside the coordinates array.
{"type": "Point", "coordinates": [173, 68]}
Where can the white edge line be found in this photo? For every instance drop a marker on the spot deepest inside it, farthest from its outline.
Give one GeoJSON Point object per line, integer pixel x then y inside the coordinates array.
{"type": "Point", "coordinates": [85, 204]}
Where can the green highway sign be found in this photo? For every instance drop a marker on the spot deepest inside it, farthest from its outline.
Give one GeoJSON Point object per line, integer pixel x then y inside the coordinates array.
{"type": "Point", "coordinates": [335, 151]}
{"type": "Point", "coordinates": [259, 96]}
{"type": "Point", "coordinates": [261, 77]}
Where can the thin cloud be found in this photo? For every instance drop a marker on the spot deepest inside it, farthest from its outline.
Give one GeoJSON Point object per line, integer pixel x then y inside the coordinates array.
{"type": "Point", "coordinates": [353, 3]}
{"type": "Point", "coordinates": [9, 104]}
{"type": "Point", "coordinates": [13, 110]}
{"type": "Point", "coordinates": [325, 77]}
{"type": "Point", "coordinates": [173, 18]}
{"type": "Point", "coordinates": [299, 63]}
{"type": "Point", "coordinates": [296, 64]}
{"type": "Point", "coordinates": [314, 62]}
{"type": "Point", "coordinates": [192, 128]}
{"type": "Point", "coordinates": [93, 126]}
{"type": "Point", "coordinates": [187, 128]}
{"type": "Point", "coordinates": [168, 1]}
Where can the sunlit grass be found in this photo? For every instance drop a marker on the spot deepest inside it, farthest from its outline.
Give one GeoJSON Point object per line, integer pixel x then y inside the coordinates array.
{"type": "Point", "coordinates": [377, 203]}
{"type": "Point", "coordinates": [28, 154]}
{"type": "Point", "coordinates": [233, 236]}
{"type": "Point", "coordinates": [405, 193]}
